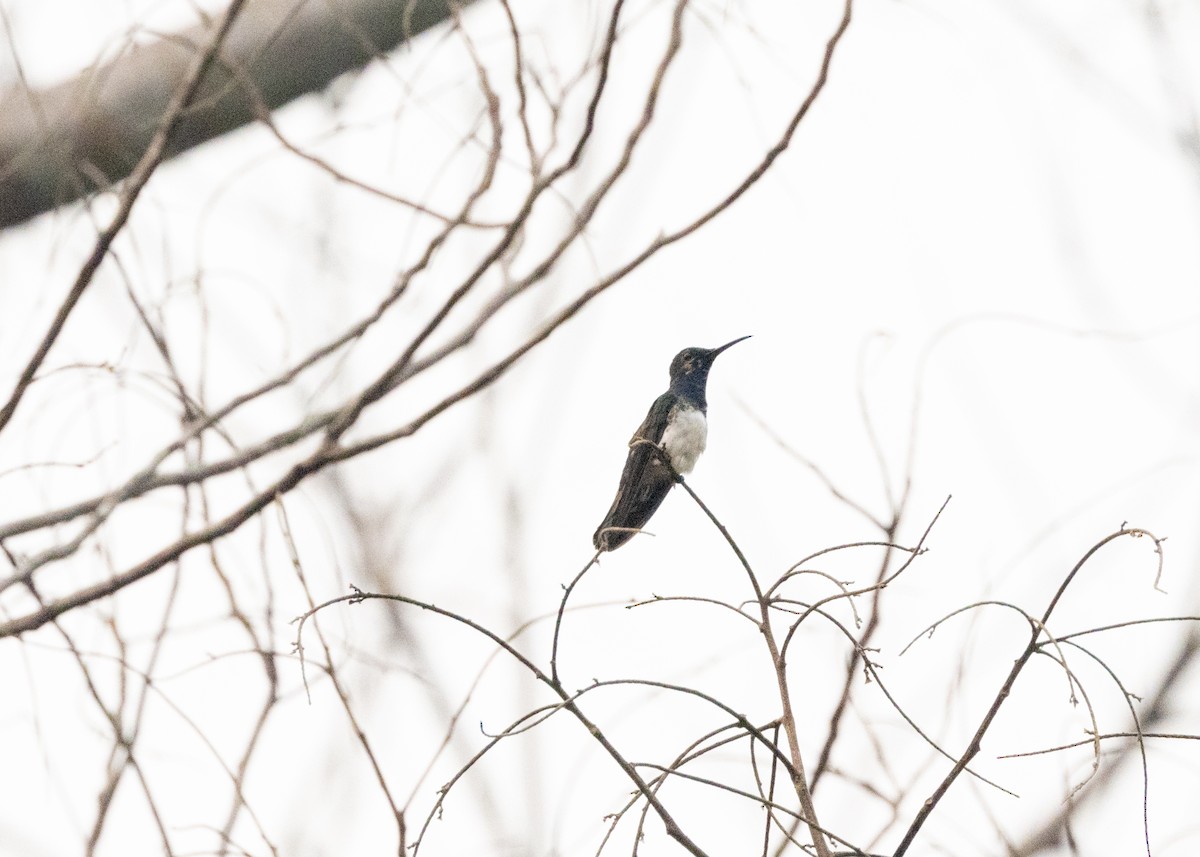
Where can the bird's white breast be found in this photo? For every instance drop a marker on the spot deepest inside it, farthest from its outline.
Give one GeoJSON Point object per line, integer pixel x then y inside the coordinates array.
{"type": "Point", "coordinates": [685, 437]}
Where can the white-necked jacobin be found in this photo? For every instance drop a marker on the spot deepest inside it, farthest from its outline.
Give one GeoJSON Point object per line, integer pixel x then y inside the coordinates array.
{"type": "Point", "coordinates": [677, 426]}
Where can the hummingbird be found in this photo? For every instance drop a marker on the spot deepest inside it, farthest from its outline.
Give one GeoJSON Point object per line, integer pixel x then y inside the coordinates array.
{"type": "Point", "coordinates": [676, 427]}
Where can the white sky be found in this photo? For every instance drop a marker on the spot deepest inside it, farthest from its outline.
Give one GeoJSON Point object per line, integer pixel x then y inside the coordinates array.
{"type": "Point", "coordinates": [990, 199]}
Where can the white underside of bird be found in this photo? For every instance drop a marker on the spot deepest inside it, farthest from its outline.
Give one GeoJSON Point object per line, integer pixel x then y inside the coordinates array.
{"type": "Point", "coordinates": [685, 437]}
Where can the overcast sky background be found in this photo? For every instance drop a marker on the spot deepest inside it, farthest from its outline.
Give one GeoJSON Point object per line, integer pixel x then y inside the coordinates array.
{"type": "Point", "coordinates": [986, 230]}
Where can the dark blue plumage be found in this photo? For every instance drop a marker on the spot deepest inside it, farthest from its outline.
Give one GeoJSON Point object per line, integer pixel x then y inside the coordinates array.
{"type": "Point", "coordinates": [676, 425]}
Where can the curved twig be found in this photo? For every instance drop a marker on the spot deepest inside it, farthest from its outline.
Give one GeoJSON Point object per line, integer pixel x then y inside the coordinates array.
{"type": "Point", "coordinates": [973, 747]}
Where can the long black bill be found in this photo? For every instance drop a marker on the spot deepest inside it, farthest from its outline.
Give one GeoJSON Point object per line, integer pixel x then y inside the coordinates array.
{"type": "Point", "coordinates": [717, 351]}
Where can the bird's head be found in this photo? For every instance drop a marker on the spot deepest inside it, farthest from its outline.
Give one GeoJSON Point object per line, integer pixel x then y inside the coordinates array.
{"type": "Point", "coordinates": [689, 369]}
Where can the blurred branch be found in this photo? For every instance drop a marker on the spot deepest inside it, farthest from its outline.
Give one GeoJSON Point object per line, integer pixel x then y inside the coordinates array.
{"type": "Point", "coordinates": [147, 162]}
{"type": "Point", "coordinates": [1049, 833]}
{"type": "Point", "coordinates": [86, 134]}
{"type": "Point", "coordinates": [91, 515]}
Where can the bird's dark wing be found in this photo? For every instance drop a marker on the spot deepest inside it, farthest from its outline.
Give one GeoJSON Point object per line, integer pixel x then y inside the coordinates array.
{"type": "Point", "coordinates": [645, 481]}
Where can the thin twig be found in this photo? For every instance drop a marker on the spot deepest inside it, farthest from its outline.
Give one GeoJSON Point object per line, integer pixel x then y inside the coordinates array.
{"type": "Point", "coordinates": [132, 188]}
{"type": "Point", "coordinates": [973, 746]}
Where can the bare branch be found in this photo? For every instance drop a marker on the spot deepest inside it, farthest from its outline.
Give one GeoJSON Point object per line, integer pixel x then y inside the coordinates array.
{"type": "Point", "coordinates": [145, 166]}
{"type": "Point", "coordinates": [54, 144]}
{"type": "Point", "coordinates": [973, 747]}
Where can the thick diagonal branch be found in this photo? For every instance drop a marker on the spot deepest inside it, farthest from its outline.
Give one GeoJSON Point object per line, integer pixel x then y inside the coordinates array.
{"type": "Point", "coordinates": [64, 142]}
